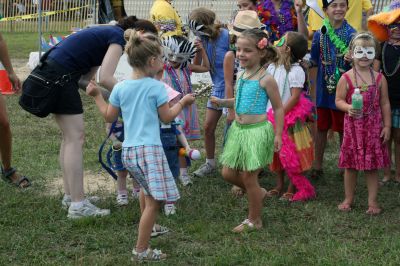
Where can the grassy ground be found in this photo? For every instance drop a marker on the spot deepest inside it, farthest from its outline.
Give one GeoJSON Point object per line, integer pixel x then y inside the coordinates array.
{"type": "Point", "coordinates": [34, 229]}
{"type": "Point", "coordinates": [20, 44]}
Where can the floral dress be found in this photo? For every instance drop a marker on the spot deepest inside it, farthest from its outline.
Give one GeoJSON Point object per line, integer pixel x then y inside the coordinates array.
{"type": "Point", "coordinates": [362, 147]}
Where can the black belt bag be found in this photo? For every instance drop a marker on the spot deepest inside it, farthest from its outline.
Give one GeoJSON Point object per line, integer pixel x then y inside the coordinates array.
{"type": "Point", "coordinates": [39, 94]}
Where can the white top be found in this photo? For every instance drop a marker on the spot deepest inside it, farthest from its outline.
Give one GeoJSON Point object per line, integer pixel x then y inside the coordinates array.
{"type": "Point", "coordinates": [286, 81]}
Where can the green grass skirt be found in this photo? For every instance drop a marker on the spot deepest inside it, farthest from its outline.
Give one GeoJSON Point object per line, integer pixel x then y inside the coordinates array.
{"type": "Point", "coordinates": [248, 147]}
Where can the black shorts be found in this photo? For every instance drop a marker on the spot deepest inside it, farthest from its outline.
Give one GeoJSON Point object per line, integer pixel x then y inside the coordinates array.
{"type": "Point", "coordinates": [68, 100]}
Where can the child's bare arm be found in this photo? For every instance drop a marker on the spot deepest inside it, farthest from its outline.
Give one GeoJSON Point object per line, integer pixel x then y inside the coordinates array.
{"type": "Point", "coordinates": [168, 114]}
{"type": "Point", "coordinates": [109, 112]}
{"type": "Point", "coordinates": [229, 103]}
{"type": "Point", "coordinates": [205, 64]}
{"type": "Point", "coordinates": [293, 100]}
{"type": "Point", "coordinates": [341, 92]}
{"type": "Point", "coordinates": [270, 85]}
{"type": "Point", "coordinates": [386, 113]}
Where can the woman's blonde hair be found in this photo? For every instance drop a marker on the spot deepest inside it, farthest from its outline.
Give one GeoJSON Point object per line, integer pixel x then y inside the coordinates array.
{"type": "Point", "coordinates": [206, 17]}
{"type": "Point", "coordinates": [271, 54]}
{"type": "Point", "coordinates": [140, 47]}
{"type": "Point", "coordinates": [298, 49]}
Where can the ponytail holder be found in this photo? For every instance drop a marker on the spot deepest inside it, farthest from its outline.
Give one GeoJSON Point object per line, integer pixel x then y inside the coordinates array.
{"type": "Point", "coordinates": [262, 43]}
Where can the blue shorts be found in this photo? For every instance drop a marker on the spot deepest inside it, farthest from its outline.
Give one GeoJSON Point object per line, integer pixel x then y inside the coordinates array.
{"type": "Point", "coordinates": [396, 118]}
{"type": "Point", "coordinates": [219, 94]}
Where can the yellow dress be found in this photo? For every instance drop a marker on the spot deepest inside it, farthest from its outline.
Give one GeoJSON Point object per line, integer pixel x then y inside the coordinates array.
{"type": "Point", "coordinates": [166, 19]}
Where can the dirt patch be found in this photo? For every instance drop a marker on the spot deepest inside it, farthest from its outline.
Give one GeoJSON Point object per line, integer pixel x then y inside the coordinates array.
{"type": "Point", "coordinates": [93, 184]}
{"type": "Point", "coordinates": [21, 68]}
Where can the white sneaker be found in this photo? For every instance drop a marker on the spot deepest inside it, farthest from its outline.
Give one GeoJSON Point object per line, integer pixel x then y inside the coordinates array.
{"type": "Point", "coordinates": [185, 180]}
{"type": "Point", "coordinates": [169, 209]}
{"type": "Point", "coordinates": [204, 170]}
{"type": "Point", "coordinates": [66, 202]}
{"type": "Point", "coordinates": [87, 210]}
{"type": "Point", "coordinates": [122, 200]}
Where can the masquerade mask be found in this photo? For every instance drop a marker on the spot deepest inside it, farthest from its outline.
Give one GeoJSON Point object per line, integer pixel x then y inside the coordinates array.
{"type": "Point", "coordinates": [181, 51]}
{"type": "Point", "coordinates": [360, 52]}
{"type": "Point", "coordinates": [281, 42]}
{"type": "Point", "coordinates": [197, 28]}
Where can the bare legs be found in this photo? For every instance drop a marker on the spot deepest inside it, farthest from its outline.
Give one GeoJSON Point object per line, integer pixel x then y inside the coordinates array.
{"type": "Point", "coordinates": [320, 145]}
{"type": "Point", "coordinates": [149, 211]}
{"type": "Point", "coordinates": [396, 139]}
{"type": "Point", "coordinates": [210, 124]}
{"type": "Point", "coordinates": [350, 183]}
{"type": "Point", "coordinates": [71, 154]}
{"type": "Point", "coordinates": [6, 144]}
{"type": "Point", "coordinates": [248, 181]}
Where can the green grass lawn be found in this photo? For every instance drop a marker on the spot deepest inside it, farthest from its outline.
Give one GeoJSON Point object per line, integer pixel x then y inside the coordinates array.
{"type": "Point", "coordinates": [20, 44]}
{"type": "Point", "coordinates": [34, 229]}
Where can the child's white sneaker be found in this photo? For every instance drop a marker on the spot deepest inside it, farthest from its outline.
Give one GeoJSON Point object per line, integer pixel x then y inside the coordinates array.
{"type": "Point", "coordinates": [169, 209]}
{"type": "Point", "coordinates": [185, 180]}
{"type": "Point", "coordinates": [122, 199]}
{"type": "Point", "coordinates": [204, 170]}
{"type": "Point", "coordinates": [86, 210]}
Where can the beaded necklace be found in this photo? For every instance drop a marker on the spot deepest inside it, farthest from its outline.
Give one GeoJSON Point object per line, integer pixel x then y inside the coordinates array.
{"type": "Point", "coordinates": [385, 67]}
{"type": "Point", "coordinates": [278, 22]}
{"type": "Point", "coordinates": [371, 104]}
{"type": "Point", "coordinates": [176, 81]}
{"type": "Point", "coordinates": [333, 61]}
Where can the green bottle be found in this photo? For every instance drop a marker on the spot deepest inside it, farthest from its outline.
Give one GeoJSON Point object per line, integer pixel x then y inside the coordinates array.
{"type": "Point", "coordinates": [357, 100]}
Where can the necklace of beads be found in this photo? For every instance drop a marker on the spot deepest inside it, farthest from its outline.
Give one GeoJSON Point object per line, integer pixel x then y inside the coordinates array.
{"type": "Point", "coordinates": [177, 82]}
{"type": "Point", "coordinates": [278, 22]}
{"type": "Point", "coordinates": [332, 62]}
{"type": "Point", "coordinates": [385, 66]}
{"type": "Point", "coordinates": [364, 86]}
{"type": "Point", "coordinates": [371, 104]}
{"type": "Point", "coordinates": [239, 87]}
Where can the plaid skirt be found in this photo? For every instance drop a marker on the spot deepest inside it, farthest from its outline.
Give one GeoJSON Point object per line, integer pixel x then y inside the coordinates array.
{"type": "Point", "coordinates": [149, 167]}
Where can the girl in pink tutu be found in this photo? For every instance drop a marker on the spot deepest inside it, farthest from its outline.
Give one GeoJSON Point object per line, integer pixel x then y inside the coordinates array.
{"type": "Point", "coordinates": [366, 130]}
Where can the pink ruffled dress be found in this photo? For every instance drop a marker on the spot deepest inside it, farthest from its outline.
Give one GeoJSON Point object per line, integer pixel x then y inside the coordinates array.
{"type": "Point", "coordinates": [362, 147]}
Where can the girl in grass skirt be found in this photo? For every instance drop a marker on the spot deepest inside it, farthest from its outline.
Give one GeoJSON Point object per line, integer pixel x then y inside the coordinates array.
{"type": "Point", "coordinates": [251, 141]}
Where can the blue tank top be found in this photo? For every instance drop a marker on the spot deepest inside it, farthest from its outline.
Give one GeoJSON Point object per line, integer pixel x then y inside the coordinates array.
{"type": "Point", "coordinates": [251, 98]}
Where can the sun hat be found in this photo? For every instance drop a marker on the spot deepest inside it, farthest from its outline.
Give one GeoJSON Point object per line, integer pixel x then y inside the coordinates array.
{"type": "Point", "coordinates": [245, 20]}
{"type": "Point", "coordinates": [378, 24]}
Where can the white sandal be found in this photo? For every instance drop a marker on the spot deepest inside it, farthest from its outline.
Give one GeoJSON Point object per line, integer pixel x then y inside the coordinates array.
{"type": "Point", "coordinates": [246, 225]}
{"type": "Point", "coordinates": [148, 255]}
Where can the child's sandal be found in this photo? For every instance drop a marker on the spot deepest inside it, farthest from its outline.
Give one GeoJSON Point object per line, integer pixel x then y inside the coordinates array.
{"type": "Point", "coordinates": [245, 226]}
{"type": "Point", "coordinates": [344, 207]}
{"type": "Point", "coordinates": [286, 196]}
{"type": "Point", "coordinates": [148, 255]}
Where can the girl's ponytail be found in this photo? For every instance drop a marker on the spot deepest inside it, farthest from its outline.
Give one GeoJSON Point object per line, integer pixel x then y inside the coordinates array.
{"type": "Point", "coordinates": [140, 47]}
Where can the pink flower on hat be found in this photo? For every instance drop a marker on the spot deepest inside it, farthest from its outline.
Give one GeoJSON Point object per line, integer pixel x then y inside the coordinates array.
{"type": "Point", "coordinates": [262, 43]}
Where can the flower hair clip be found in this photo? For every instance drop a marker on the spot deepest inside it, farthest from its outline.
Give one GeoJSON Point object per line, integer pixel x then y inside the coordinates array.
{"type": "Point", "coordinates": [262, 43]}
